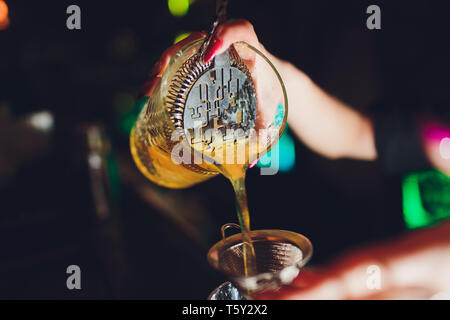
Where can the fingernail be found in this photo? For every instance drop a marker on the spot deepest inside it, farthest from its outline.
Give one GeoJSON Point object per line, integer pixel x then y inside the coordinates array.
{"type": "Point", "coordinates": [212, 49]}
{"type": "Point", "coordinates": [253, 163]}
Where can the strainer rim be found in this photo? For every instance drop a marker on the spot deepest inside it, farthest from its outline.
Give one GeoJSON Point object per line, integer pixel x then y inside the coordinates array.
{"type": "Point", "coordinates": [303, 243]}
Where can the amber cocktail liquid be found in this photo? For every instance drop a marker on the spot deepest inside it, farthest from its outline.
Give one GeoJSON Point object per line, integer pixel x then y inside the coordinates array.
{"type": "Point", "coordinates": [206, 118]}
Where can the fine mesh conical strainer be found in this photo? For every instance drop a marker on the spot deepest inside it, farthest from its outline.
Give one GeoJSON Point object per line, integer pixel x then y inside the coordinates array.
{"type": "Point", "coordinates": [279, 256]}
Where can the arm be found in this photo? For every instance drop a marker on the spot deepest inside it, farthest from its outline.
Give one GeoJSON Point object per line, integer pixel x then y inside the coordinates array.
{"type": "Point", "coordinates": [322, 122]}
{"type": "Point", "coordinates": [325, 124]}
{"type": "Point", "coordinates": [413, 267]}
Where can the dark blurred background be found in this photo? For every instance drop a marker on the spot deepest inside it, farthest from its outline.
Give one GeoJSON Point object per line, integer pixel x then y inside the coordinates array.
{"type": "Point", "coordinates": [70, 193]}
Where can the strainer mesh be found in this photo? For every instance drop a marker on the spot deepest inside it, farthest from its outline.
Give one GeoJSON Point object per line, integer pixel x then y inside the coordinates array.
{"type": "Point", "coordinates": [271, 256]}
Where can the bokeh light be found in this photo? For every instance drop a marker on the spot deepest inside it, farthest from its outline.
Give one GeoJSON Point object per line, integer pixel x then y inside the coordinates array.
{"type": "Point", "coordinates": [3, 11]}
{"type": "Point", "coordinates": [4, 20]}
{"type": "Point", "coordinates": [426, 198]}
{"type": "Point", "coordinates": [285, 161]}
{"type": "Point", "coordinates": [181, 36]}
{"type": "Point", "coordinates": [42, 120]}
{"type": "Point", "coordinates": [178, 8]}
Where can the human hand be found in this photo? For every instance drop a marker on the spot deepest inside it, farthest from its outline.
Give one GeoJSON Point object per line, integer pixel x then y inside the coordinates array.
{"type": "Point", "coordinates": [225, 35]}
{"type": "Point", "coordinates": [155, 75]}
{"type": "Point", "coordinates": [414, 267]}
{"type": "Point", "coordinates": [228, 33]}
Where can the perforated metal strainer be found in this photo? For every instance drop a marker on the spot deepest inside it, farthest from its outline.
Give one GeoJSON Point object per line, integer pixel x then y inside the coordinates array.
{"type": "Point", "coordinates": [279, 256]}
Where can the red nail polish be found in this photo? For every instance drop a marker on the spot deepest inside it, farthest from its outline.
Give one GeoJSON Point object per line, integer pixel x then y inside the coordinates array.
{"type": "Point", "coordinates": [213, 47]}
{"type": "Point", "coordinates": [253, 163]}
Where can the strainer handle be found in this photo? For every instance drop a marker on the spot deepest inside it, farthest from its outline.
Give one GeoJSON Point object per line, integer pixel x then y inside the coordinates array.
{"type": "Point", "coordinates": [221, 16]}
{"type": "Point", "coordinates": [227, 226]}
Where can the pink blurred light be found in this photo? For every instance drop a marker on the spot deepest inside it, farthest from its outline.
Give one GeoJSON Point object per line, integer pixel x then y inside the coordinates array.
{"type": "Point", "coordinates": [435, 132]}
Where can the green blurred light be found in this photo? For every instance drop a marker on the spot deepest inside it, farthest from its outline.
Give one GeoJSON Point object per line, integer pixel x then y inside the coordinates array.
{"type": "Point", "coordinates": [287, 153]}
{"type": "Point", "coordinates": [426, 198]}
{"type": "Point", "coordinates": [181, 36]}
{"type": "Point", "coordinates": [414, 214]}
{"type": "Point", "coordinates": [113, 177]}
{"type": "Point", "coordinates": [178, 8]}
{"type": "Point", "coordinates": [127, 123]}
{"type": "Point", "coordinates": [286, 158]}
{"type": "Point", "coordinates": [128, 119]}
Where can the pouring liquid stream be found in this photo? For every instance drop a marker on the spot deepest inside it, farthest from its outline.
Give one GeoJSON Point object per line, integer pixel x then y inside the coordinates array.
{"type": "Point", "coordinates": [236, 175]}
